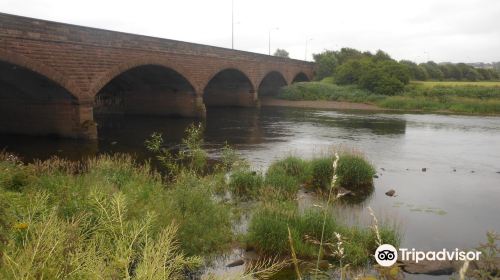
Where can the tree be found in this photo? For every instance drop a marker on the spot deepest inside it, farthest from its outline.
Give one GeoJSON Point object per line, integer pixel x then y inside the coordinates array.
{"type": "Point", "coordinates": [326, 62]}
{"type": "Point", "coordinates": [381, 76]}
{"type": "Point", "coordinates": [346, 54]}
{"type": "Point", "coordinates": [381, 56]}
{"type": "Point", "coordinates": [281, 53]}
{"type": "Point", "coordinates": [415, 71]}
{"type": "Point", "coordinates": [349, 72]}
{"type": "Point", "coordinates": [433, 70]}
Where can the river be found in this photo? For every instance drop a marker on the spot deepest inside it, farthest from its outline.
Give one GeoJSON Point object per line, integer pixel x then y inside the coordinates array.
{"type": "Point", "coordinates": [450, 205]}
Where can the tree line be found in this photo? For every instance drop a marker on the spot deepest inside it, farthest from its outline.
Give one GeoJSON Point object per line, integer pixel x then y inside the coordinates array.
{"type": "Point", "coordinates": [380, 73]}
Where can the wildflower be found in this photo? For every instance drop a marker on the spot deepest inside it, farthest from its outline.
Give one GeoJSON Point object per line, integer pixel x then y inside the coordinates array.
{"type": "Point", "coordinates": [21, 226]}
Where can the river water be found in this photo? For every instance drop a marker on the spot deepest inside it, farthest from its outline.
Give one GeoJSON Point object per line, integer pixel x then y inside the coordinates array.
{"type": "Point", "coordinates": [451, 205]}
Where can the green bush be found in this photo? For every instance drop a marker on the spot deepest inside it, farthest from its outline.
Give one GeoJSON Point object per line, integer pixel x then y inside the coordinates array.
{"type": "Point", "coordinates": [245, 183]}
{"type": "Point", "coordinates": [354, 172]}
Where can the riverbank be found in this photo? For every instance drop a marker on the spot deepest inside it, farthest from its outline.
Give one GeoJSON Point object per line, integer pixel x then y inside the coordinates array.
{"type": "Point", "coordinates": [440, 97]}
{"type": "Point", "coordinates": [319, 104]}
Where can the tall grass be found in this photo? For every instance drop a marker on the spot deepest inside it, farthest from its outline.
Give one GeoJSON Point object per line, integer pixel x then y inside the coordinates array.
{"type": "Point", "coordinates": [245, 183]}
{"type": "Point", "coordinates": [105, 217]}
{"type": "Point", "coordinates": [326, 91]}
{"type": "Point", "coordinates": [459, 97]}
{"type": "Point", "coordinates": [268, 234]}
{"type": "Point", "coordinates": [354, 172]}
{"type": "Point", "coordinates": [100, 243]}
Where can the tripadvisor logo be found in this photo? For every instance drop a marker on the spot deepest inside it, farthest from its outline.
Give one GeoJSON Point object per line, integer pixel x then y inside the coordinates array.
{"type": "Point", "coordinates": [387, 255]}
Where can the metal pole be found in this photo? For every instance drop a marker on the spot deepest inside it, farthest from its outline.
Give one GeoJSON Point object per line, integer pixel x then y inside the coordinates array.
{"type": "Point", "coordinates": [232, 24]}
{"type": "Point", "coordinates": [269, 41]}
{"type": "Point", "coordinates": [276, 28]}
{"type": "Point", "coordinates": [307, 41]}
{"type": "Point", "coordinates": [305, 55]}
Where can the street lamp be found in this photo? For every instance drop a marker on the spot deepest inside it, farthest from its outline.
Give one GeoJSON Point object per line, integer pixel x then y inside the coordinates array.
{"type": "Point", "coordinates": [307, 41]}
{"type": "Point", "coordinates": [232, 24]}
{"type": "Point", "coordinates": [276, 28]}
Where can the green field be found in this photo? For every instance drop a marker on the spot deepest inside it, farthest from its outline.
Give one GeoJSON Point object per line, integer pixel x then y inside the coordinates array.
{"type": "Point", "coordinates": [456, 83]}
{"type": "Point", "coordinates": [480, 98]}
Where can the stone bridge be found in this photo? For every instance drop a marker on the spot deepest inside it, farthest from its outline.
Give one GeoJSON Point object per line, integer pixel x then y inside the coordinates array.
{"type": "Point", "coordinates": [54, 77]}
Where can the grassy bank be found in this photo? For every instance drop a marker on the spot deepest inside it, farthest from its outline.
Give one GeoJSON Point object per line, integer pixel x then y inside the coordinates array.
{"type": "Point", "coordinates": [457, 97]}
{"type": "Point", "coordinates": [114, 218]}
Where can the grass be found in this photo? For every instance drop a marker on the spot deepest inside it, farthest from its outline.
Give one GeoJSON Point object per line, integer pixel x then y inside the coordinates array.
{"type": "Point", "coordinates": [321, 172]}
{"type": "Point", "coordinates": [106, 215]}
{"type": "Point", "coordinates": [268, 234]}
{"type": "Point", "coordinates": [457, 83]}
{"type": "Point", "coordinates": [286, 175]}
{"type": "Point", "coordinates": [354, 172]}
{"type": "Point", "coordinates": [112, 217]}
{"type": "Point", "coordinates": [457, 97]}
{"type": "Point", "coordinates": [245, 184]}
{"type": "Point", "coordinates": [327, 91]}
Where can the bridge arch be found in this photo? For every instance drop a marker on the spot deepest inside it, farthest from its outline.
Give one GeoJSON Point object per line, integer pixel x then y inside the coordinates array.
{"type": "Point", "coordinates": [36, 100]}
{"type": "Point", "coordinates": [41, 69]}
{"type": "Point", "coordinates": [146, 87]}
{"type": "Point", "coordinates": [229, 87]}
{"type": "Point", "coordinates": [271, 83]}
{"type": "Point", "coordinates": [118, 69]}
{"type": "Point", "coordinates": [300, 77]}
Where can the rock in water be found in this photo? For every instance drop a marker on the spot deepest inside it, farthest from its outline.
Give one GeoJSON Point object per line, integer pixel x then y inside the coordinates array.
{"type": "Point", "coordinates": [236, 263]}
{"type": "Point", "coordinates": [424, 169]}
{"type": "Point", "coordinates": [429, 267]}
{"type": "Point", "coordinates": [375, 176]}
{"type": "Point", "coordinates": [390, 193]}
{"type": "Point", "coordinates": [342, 192]}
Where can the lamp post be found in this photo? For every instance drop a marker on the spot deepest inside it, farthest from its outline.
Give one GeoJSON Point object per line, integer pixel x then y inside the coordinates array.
{"type": "Point", "coordinates": [307, 41]}
{"type": "Point", "coordinates": [232, 24]}
{"type": "Point", "coordinates": [276, 28]}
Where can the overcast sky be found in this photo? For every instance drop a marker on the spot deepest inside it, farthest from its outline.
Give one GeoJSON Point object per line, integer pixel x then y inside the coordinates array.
{"type": "Point", "coordinates": [419, 30]}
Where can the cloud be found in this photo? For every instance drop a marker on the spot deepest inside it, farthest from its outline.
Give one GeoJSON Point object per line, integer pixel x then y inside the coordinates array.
{"type": "Point", "coordinates": [444, 30]}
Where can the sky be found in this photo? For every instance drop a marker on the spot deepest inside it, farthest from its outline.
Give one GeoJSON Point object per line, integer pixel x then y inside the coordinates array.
{"type": "Point", "coordinates": [438, 30]}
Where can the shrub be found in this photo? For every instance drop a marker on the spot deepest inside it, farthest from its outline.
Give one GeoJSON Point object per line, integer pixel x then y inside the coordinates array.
{"type": "Point", "coordinates": [245, 183]}
{"type": "Point", "coordinates": [354, 172]}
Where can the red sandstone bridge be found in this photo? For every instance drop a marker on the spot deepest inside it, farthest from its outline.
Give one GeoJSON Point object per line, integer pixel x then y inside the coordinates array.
{"type": "Point", "coordinates": [54, 77]}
